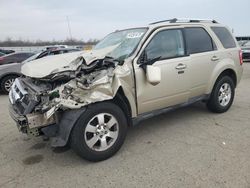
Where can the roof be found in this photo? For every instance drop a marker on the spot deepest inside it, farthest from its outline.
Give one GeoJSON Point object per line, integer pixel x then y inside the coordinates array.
{"type": "Point", "coordinates": [187, 21]}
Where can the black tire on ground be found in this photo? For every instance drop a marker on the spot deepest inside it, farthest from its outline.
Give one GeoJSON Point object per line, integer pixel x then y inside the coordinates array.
{"type": "Point", "coordinates": [213, 103]}
{"type": "Point", "coordinates": [3, 82]}
{"type": "Point", "coordinates": [77, 138]}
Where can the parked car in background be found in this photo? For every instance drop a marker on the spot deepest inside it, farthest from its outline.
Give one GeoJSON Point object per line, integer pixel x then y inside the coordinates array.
{"type": "Point", "coordinates": [2, 54]}
{"type": "Point", "coordinates": [15, 57]}
{"type": "Point", "coordinates": [8, 74]}
{"type": "Point", "coordinates": [7, 51]}
{"type": "Point", "coordinates": [51, 52]}
{"type": "Point", "coordinates": [10, 66]}
{"type": "Point", "coordinates": [246, 51]}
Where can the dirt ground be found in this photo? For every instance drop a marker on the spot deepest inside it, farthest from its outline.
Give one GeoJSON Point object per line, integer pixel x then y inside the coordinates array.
{"type": "Point", "coordinates": [189, 147]}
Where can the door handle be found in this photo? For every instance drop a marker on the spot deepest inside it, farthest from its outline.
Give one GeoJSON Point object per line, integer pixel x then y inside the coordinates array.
{"type": "Point", "coordinates": [215, 58]}
{"type": "Point", "coordinates": [181, 66]}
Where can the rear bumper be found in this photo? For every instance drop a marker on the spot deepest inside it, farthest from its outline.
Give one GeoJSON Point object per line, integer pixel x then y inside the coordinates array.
{"type": "Point", "coordinates": [246, 56]}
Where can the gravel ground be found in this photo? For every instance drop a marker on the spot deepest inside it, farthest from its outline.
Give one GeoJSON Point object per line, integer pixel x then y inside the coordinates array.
{"type": "Point", "coordinates": [189, 147]}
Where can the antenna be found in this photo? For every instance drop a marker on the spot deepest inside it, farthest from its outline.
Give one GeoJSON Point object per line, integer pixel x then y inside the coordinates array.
{"type": "Point", "coordinates": [70, 34]}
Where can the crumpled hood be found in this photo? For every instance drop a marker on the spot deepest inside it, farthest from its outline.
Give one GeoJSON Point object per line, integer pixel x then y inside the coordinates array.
{"type": "Point", "coordinates": [43, 67]}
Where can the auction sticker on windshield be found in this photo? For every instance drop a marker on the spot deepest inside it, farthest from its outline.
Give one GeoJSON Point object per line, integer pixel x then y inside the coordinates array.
{"type": "Point", "coordinates": [134, 35]}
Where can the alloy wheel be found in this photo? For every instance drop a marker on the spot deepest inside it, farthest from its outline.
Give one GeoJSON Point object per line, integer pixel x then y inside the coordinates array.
{"type": "Point", "coordinates": [101, 132]}
{"type": "Point", "coordinates": [225, 94]}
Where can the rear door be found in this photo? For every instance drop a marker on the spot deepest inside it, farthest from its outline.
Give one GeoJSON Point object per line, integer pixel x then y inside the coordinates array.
{"type": "Point", "coordinates": [204, 57]}
{"type": "Point", "coordinates": [10, 59]}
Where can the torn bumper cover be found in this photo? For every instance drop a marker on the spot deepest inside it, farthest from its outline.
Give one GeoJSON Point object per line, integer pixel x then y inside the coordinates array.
{"type": "Point", "coordinates": [58, 127]}
{"type": "Point", "coordinates": [31, 123]}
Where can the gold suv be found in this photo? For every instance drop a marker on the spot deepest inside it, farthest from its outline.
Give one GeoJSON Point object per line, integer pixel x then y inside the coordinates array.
{"type": "Point", "coordinates": [88, 99]}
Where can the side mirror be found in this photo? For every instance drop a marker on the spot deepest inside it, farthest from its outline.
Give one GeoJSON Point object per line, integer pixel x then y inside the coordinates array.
{"type": "Point", "coordinates": [143, 58]}
{"type": "Point", "coordinates": [144, 61]}
{"type": "Point", "coordinates": [153, 74]}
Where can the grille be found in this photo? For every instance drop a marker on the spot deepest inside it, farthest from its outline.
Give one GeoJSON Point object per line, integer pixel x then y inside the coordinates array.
{"type": "Point", "coordinates": [20, 98]}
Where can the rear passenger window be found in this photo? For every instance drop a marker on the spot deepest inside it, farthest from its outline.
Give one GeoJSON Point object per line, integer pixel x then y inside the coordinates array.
{"type": "Point", "coordinates": [224, 36]}
{"type": "Point", "coordinates": [198, 40]}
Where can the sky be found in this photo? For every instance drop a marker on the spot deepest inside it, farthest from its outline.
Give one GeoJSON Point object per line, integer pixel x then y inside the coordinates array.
{"type": "Point", "coordinates": [93, 19]}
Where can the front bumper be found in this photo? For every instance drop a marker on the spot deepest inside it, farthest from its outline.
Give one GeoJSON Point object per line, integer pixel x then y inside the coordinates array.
{"type": "Point", "coordinates": [31, 123]}
{"type": "Point", "coordinates": [58, 125]}
{"type": "Point", "coordinates": [21, 110]}
{"type": "Point", "coordinates": [59, 132]}
{"type": "Point", "coordinates": [21, 121]}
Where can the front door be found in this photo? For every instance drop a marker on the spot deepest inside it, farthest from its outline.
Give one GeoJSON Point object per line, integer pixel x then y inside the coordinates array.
{"type": "Point", "coordinates": [168, 44]}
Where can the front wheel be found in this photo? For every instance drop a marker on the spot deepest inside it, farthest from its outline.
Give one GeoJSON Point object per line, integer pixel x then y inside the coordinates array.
{"type": "Point", "coordinates": [100, 131]}
{"type": "Point", "coordinates": [222, 95]}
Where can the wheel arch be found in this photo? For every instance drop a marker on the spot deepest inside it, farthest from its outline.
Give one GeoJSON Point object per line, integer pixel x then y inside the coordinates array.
{"type": "Point", "coordinates": [229, 72]}
{"type": "Point", "coordinates": [3, 78]}
{"type": "Point", "coordinates": [222, 69]}
{"type": "Point", "coordinates": [69, 118]}
{"type": "Point", "coordinates": [9, 74]}
{"type": "Point", "coordinates": [122, 101]}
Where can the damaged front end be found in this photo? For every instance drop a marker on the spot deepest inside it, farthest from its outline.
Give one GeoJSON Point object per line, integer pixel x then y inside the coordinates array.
{"type": "Point", "coordinates": [52, 104]}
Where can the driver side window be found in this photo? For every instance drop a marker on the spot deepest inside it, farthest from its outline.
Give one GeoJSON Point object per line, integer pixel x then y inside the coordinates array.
{"type": "Point", "coordinates": [166, 44]}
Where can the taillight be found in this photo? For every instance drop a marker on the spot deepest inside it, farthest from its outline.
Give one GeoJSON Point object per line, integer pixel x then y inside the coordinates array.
{"type": "Point", "coordinates": [1, 58]}
{"type": "Point", "coordinates": [241, 57]}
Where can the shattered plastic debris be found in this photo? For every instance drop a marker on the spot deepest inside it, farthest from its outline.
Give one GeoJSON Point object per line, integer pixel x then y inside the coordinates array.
{"type": "Point", "coordinates": [97, 86]}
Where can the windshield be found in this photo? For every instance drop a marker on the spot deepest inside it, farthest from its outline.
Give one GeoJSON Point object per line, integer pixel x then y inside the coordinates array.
{"type": "Point", "coordinates": [125, 40]}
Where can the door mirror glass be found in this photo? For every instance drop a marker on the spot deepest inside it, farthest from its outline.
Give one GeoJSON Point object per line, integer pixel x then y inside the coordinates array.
{"type": "Point", "coordinates": [153, 74]}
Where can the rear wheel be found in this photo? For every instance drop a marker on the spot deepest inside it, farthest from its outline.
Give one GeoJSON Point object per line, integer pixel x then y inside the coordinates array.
{"type": "Point", "coordinates": [222, 95]}
{"type": "Point", "coordinates": [100, 131]}
{"type": "Point", "coordinates": [7, 82]}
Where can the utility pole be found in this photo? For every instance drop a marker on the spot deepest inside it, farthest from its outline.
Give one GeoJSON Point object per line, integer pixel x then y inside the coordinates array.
{"type": "Point", "coordinates": [70, 35]}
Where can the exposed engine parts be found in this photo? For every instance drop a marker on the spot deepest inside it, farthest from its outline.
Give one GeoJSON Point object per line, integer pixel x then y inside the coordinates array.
{"type": "Point", "coordinates": [97, 81]}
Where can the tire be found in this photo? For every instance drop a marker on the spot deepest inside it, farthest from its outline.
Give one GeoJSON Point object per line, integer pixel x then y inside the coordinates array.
{"type": "Point", "coordinates": [6, 83]}
{"type": "Point", "coordinates": [111, 121]}
{"type": "Point", "coordinates": [222, 95]}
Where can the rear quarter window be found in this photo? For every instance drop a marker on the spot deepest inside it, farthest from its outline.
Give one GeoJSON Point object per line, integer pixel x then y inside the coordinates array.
{"type": "Point", "coordinates": [224, 36]}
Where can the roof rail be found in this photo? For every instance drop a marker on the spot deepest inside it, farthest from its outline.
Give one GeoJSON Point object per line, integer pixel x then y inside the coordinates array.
{"type": "Point", "coordinates": [184, 20]}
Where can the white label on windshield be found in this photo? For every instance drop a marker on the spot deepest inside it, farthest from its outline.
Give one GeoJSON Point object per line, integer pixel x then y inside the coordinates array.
{"type": "Point", "coordinates": [134, 35]}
